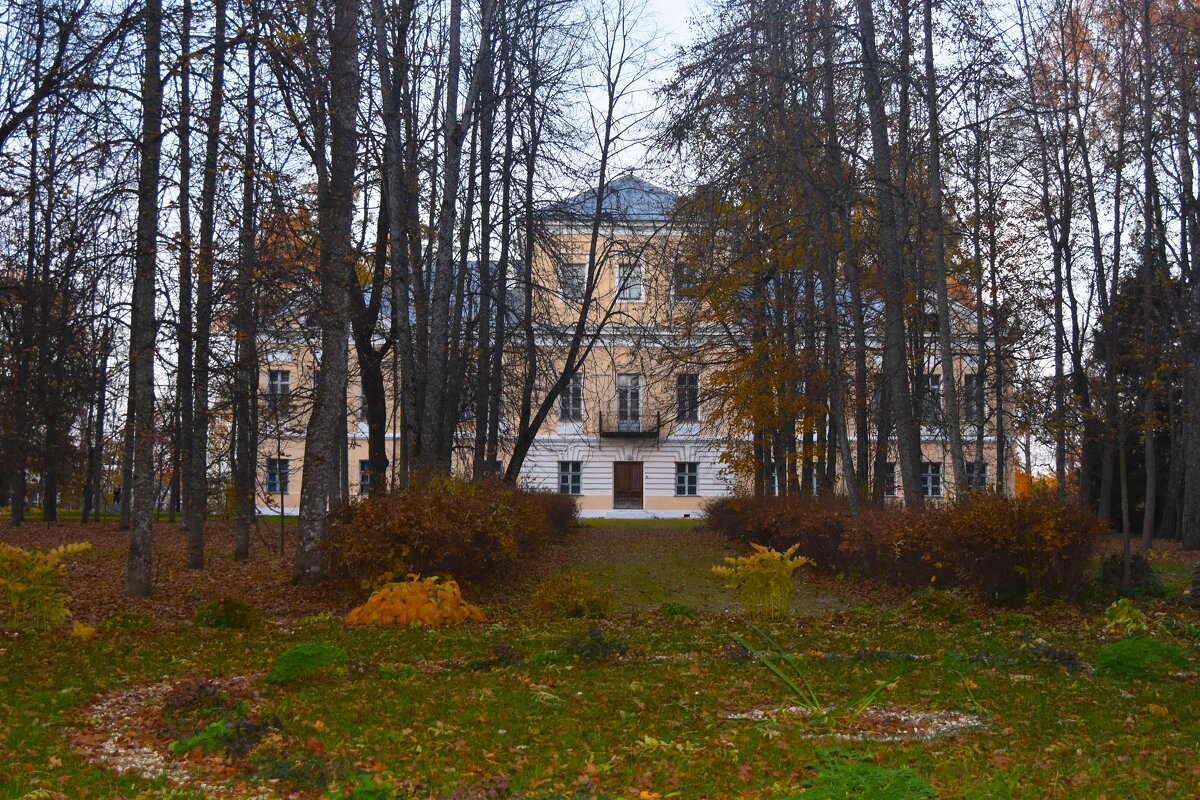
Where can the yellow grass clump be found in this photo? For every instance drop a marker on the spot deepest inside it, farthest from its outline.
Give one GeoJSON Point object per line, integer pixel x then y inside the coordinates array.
{"type": "Point", "coordinates": [419, 602]}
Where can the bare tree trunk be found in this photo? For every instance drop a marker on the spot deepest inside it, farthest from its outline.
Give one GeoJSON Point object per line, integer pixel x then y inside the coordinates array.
{"type": "Point", "coordinates": [440, 412]}
{"type": "Point", "coordinates": [945, 335]}
{"type": "Point", "coordinates": [96, 464]}
{"type": "Point", "coordinates": [895, 373]}
{"type": "Point", "coordinates": [183, 335]}
{"type": "Point", "coordinates": [245, 396]}
{"type": "Point", "coordinates": [139, 579]}
{"type": "Point", "coordinates": [205, 263]}
{"type": "Point", "coordinates": [127, 439]}
{"type": "Point", "coordinates": [1150, 235]}
{"type": "Point", "coordinates": [327, 423]}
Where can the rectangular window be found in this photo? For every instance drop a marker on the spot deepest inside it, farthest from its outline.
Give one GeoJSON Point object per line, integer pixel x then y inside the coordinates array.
{"type": "Point", "coordinates": [362, 401]}
{"type": "Point", "coordinates": [687, 398]}
{"type": "Point", "coordinates": [572, 281]}
{"type": "Point", "coordinates": [279, 389]}
{"type": "Point", "coordinates": [629, 402]}
{"type": "Point", "coordinates": [364, 477]}
{"type": "Point", "coordinates": [684, 281]}
{"type": "Point", "coordinates": [977, 476]}
{"type": "Point", "coordinates": [687, 478]}
{"type": "Point", "coordinates": [931, 478]}
{"type": "Point", "coordinates": [570, 477]}
{"type": "Point", "coordinates": [889, 479]}
{"type": "Point", "coordinates": [972, 401]}
{"type": "Point", "coordinates": [570, 402]}
{"type": "Point", "coordinates": [931, 394]}
{"type": "Point", "coordinates": [277, 476]}
{"type": "Point", "coordinates": [629, 280]}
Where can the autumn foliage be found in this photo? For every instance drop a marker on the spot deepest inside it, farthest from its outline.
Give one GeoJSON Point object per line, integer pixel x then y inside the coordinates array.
{"type": "Point", "coordinates": [763, 579]}
{"type": "Point", "coordinates": [1003, 548]}
{"type": "Point", "coordinates": [477, 531]}
{"type": "Point", "coordinates": [430, 603]}
{"type": "Point", "coordinates": [31, 585]}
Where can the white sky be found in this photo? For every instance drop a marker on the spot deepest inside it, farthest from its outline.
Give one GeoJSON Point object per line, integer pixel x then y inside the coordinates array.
{"type": "Point", "coordinates": [672, 17]}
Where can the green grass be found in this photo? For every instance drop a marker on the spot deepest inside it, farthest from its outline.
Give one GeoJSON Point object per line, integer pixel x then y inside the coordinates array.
{"type": "Point", "coordinates": [440, 708]}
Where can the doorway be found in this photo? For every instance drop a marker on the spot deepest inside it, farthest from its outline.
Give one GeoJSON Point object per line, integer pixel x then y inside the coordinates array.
{"type": "Point", "coordinates": [627, 484]}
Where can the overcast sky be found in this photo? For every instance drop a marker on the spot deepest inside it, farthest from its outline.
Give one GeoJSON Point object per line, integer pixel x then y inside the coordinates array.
{"type": "Point", "coordinates": [672, 18]}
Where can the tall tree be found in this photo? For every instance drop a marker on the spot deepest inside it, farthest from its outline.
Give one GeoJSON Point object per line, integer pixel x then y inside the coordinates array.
{"type": "Point", "coordinates": [139, 580]}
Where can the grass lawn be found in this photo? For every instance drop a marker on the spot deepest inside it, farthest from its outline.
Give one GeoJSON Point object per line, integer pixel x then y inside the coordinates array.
{"type": "Point", "coordinates": [637, 706]}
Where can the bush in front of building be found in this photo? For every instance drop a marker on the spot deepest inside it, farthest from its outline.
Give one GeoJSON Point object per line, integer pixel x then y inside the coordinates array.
{"type": "Point", "coordinates": [1002, 548]}
{"type": "Point", "coordinates": [817, 524]}
{"type": "Point", "coordinates": [478, 531]}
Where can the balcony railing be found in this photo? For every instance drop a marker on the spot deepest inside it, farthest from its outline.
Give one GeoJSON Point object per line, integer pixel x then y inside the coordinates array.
{"type": "Point", "coordinates": [630, 423]}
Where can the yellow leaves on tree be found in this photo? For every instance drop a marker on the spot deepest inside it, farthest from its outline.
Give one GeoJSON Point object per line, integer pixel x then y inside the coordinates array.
{"type": "Point", "coordinates": [430, 602]}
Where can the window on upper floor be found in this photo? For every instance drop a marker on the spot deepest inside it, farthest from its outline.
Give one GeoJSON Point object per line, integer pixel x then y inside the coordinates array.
{"type": "Point", "coordinates": [889, 479]}
{"type": "Point", "coordinates": [279, 390]}
{"type": "Point", "coordinates": [687, 397]}
{"type": "Point", "coordinates": [364, 477]}
{"type": "Point", "coordinates": [931, 395]}
{"type": "Point", "coordinates": [974, 406]}
{"type": "Point", "coordinates": [685, 280]}
{"type": "Point", "coordinates": [570, 402]}
{"type": "Point", "coordinates": [572, 280]}
{"type": "Point", "coordinates": [630, 279]}
{"type": "Point", "coordinates": [629, 401]}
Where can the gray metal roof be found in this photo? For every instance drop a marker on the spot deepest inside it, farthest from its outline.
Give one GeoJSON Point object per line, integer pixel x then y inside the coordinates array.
{"type": "Point", "coordinates": [627, 198]}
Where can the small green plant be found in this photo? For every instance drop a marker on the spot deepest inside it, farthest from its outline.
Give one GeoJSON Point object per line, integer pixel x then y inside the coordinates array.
{"type": "Point", "coordinates": [31, 585]}
{"type": "Point", "coordinates": [223, 612]}
{"type": "Point", "coordinates": [211, 739]}
{"type": "Point", "coordinates": [1139, 659]}
{"type": "Point", "coordinates": [572, 595]}
{"type": "Point", "coordinates": [234, 736]}
{"type": "Point", "coordinates": [129, 621]}
{"type": "Point", "coordinates": [1123, 618]}
{"type": "Point", "coordinates": [847, 776]}
{"type": "Point", "coordinates": [305, 659]}
{"type": "Point", "coordinates": [677, 610]}
{"type": "Point", "coordinates": [763, 580]}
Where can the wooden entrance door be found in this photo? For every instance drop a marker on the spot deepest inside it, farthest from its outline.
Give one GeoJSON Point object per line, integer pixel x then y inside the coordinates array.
{"type": "Point", "coordinates": [627, 484]}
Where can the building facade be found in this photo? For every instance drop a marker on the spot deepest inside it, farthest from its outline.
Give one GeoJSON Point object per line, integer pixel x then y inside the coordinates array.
{"type": "Point", "coordinates": [636, 431]}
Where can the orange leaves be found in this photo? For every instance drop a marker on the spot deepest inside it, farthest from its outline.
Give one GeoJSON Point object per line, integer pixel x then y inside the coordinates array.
{"type": "Point", "coordinates": [428, 603]}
